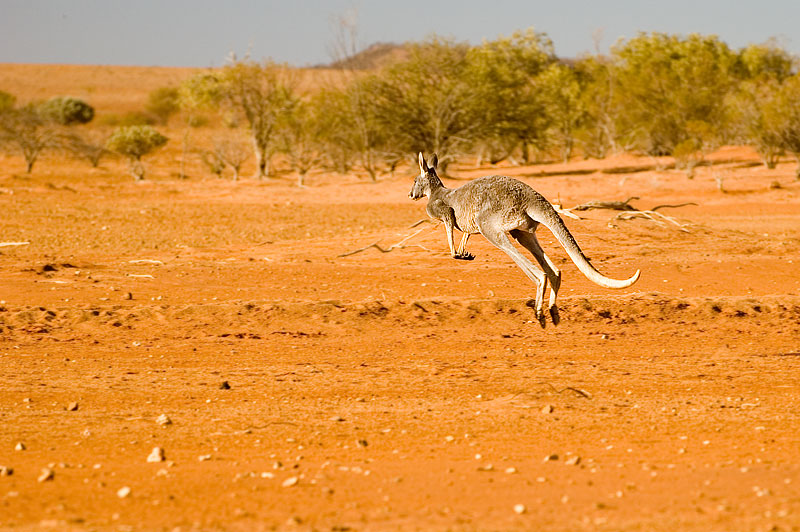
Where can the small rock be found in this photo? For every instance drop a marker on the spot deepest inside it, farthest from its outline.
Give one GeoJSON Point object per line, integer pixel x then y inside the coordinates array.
{"type": "Point", "coordinates": [6, 471]}
{"type": "Point", "coordinates": [573, 460]}
{"type": "Point", "coordinates": [487, 467]}
{"type": "Point", "coordinates": [163, 420]}
{"type": "Point", "coordinates": [289, 482]}
{"type": "Point", "coordinates": [361, 443]}
{"type": "Point", "coordinates": [547, 409]}
{"type": "Point", "coordinates": [294, 521]}
{"type": "Point", "coordinates": [204, 457]}
{"type": "Point", "coordinates": [73, 406]}
{"type": "Point", "coordinates": [551, 458]}
{"type": "Point", "coordinates": [511, 470]}
{"type": "Point", "coordinates": [520, 509]}
{"type": "Point", "coordinates": [123, 492]}
{"type": "Point", "coordinates": [20, 446]}
{"type": "Point", "coordinates": [224, 385]}
{"type": "Point", "coordinates": [128, 296]}
{"type": "Point", "coordinates": [47, 474]}
{"type": "Point", "coordinates": [449, 439]}
{"type": "Point", "coordinates": [156, 455]}
{"type": "Point", "coordinates": [337, 418]}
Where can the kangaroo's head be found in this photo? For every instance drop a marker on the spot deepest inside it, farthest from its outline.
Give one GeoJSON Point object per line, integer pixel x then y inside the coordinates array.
{"type": "Point", "coordinates": [427, 180]}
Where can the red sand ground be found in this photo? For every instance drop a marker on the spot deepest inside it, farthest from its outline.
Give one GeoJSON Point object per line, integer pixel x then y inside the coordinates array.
{"type": "Point", "coordinates": [402, 390]}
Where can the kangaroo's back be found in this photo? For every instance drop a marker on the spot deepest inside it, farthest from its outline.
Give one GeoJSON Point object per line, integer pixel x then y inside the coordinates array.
{"type": "Point", "coordinates": [497, 195]}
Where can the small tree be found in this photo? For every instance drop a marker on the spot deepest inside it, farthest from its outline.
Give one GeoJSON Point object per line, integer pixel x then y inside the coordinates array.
{"type": "Point", "coordinates": [162, 103]}
{"type": "Point", "coordinates": [26, 130]}
{"type": "Point", "coordinates": [300, 138]}
{"type": "Point", "coordinates": [66, 111]}
{"type": "Point", "coordinates": [198, 94]}
{"type": "Point", "coordinates": [89, 145]}
{"type": "Point", "coordinates": [561, 93]}
{"type": "Point", "coordinates": [428, 102]}
{"type": "Point", "coordinates": [510, 109]}
{"type": "Point", "coordinates": [262, 94]}
{"type": "Point", "coordinates": [134, 142]}
{"type": "Point", "coordinates": [231, 151]}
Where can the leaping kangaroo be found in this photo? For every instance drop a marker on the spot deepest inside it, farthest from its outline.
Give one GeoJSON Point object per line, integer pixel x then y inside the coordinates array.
{"type": "Point", "coordinates": [497, 206]}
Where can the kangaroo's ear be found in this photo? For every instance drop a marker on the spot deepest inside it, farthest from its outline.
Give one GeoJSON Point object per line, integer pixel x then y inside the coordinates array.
{"type": "Point", "coordinates": [434, 161]}
{"type": "Point", "coordinates": [422, 166]}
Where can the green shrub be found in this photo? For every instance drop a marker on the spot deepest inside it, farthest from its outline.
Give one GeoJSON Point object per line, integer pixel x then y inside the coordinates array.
{"type": "Point", "coordinates": [162, 103]}
{"type": "Point", "coordinates": [6, 101]}
{"type": "Point", "coordinates": [134, 142]}
{"type": "Point", "coordinates": [67, 110]}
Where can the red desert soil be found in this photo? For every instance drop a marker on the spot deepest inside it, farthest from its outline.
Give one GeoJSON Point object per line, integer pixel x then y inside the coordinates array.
{"type": "Point", "coordinates": [401, 390]}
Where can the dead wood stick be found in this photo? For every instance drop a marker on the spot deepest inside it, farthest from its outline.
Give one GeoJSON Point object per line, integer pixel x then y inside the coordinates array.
{"type": "Point", "coordinates": [673, 206]}
{"type": "Point", "coordinates": [612, 205]}
{"type": "Point", "coordinates": [398, 245]}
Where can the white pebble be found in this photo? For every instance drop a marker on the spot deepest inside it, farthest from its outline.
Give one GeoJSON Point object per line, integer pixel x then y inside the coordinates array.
{"type": "Point", "coordinates": [520, 509]}
{"type": "Point", "coordinates": [289, 482]}
{"type": "Point", "coordinates": [156, 455]}
{"type": "Point", "coordinates": [123, 492]}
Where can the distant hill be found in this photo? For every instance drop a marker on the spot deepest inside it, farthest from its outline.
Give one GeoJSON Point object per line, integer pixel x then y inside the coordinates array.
{"type": "Point", "coordinates": [374, 56]}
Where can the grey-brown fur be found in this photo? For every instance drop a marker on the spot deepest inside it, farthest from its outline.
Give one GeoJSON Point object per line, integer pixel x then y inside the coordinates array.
{"type": "Point", "coordinates": [498, 207]}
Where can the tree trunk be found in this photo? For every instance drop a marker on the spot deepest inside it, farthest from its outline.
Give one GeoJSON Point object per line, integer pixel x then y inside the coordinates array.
{"type": "Point", "coordinates": [184, 151]}
{"type": "Point", "coordinates": [301, 179]}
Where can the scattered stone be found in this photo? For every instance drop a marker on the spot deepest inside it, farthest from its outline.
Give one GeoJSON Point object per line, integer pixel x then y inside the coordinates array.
{"type": "Point", "coordinates": [6, 471]}
{"type": "Point", "coordinates": [26, 400]}
{"type": "Point", "coordinates": [73, 406]}
{"type": "Point", "coordinates": [573, 460]}
{"type": "Point", "coordinates": [511, 470]}
{"type": "Point", "coordinates": [128, 296]}
{"type": "Point", "coordinates": [224, 385]}
{"type": "Point", "coordinates": [46, 475]}
{"type": "Point", "coordinates": [20, 446]}
{"type": "Point", "coordinates": [294, 521]}
{"type": "Point", "coordinates": [487, 467]}
{"type": "Point", "coordinates": [204, 457]}
{"type": "Point", "coordinates": [547, 409]}
{"type": "Point", "coordinates": [520, 509]}
{"type": "Point", "coordinates": [361, 443]}
{"type": "Point", "coordinates": [449, 439]}
{"type": "Point", "coordinates": [289, 482]}
{"type": "Point", "coordinates": [156, 455]}
{"type": "Point", "coordinates": [163, 420]}
{"type": "Point", "coordinates": [337, 418]}
{"type": "Point", "coordinates": [551, 458]}
{"type": "Point", "coordinates": [123, 492]}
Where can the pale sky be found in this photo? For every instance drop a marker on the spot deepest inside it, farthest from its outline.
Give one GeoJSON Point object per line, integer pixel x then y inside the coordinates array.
{"type": "Point", "coordinates": [202, 32]}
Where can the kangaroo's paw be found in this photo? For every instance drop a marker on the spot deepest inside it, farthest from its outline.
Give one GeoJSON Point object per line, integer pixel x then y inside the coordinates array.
{"type": "Point", "coordinates": [554, 315]}
{"type": "Point", "coordinates": [464, 256]}
{"type": "Point", "coordinates": [541, 318]}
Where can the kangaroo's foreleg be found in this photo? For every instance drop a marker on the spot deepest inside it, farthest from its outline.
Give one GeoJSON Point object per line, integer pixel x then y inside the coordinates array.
{"type": "Point", "coordinates": [462, 253]}
{"type": "Point", "coordinates": [529, 241]}
{"type": "Point", "coordinates": [499, 238]}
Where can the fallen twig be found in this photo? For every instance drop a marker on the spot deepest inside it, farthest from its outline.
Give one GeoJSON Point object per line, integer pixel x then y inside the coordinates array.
{"type": "Point", "coordinates": [612, 205]}
{"type": "Point", "coordinates": [6, 244]}
{"type": "Point", "coordinates": [398, 245]}
{"type": "Point", "coordinates": [651, 215]}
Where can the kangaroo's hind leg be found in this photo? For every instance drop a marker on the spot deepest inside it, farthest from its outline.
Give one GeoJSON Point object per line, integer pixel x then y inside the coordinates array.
{"type": "Point", "coordinates": [529, 241]}
{"type": "Point", "coordinates": [499, 238]}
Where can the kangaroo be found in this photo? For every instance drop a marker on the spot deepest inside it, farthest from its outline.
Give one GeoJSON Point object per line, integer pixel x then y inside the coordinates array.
{"type": "Point", "coordinates": [496, 207]}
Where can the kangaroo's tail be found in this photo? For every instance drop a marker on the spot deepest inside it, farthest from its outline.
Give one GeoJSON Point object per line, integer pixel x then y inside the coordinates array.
{"type": "Point", "coordinates": [555, 224]}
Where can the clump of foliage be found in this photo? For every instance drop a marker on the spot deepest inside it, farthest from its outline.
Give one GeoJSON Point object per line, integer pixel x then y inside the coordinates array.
{"type": "Point", "coordinates": [162, 103]}
{"type": "Point", "coordinates": [134, 142]}
{"type": "Point", "coordinates": [7, 101]}
{"type": "Point", "coordinates": [66, 110]}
